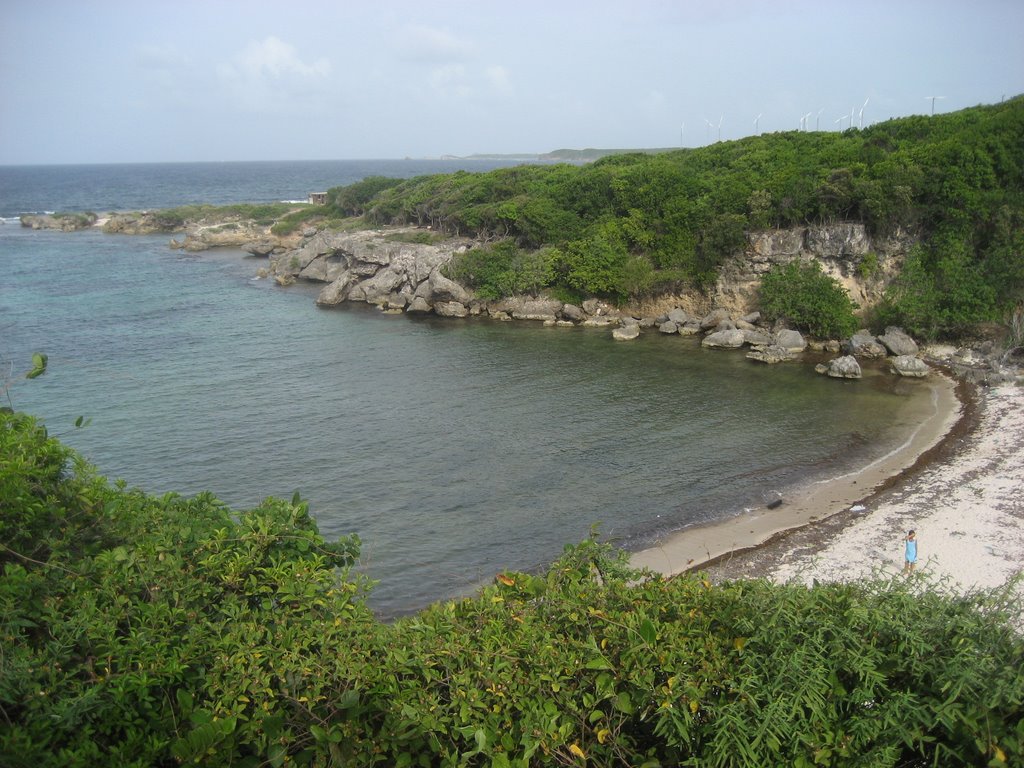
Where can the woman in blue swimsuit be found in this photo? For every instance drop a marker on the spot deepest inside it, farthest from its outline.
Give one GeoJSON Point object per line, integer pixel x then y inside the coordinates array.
{"type": "Point", "coordinates": [910, 558]}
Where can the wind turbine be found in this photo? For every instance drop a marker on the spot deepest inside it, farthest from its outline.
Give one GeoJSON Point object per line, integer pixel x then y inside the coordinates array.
{"type": "Point", "coordinates": [756, 131]}
{"type": "Point", "coordinates": [862, 111]}
{"type": "Point", "coordinates": [817, 119]}
{"type": "Point", "coordinates": [710, 126]}
{"type": "Point", "coordinates": [933, 98]}
{"type": "Point", "coordinates": [805, 119]}
{"type": "Point", "coordinates": [720, 119]}
{"type": "Point", "coordinates": [682, 130]}
{"type": "Point", "coordinates": [840, 121]}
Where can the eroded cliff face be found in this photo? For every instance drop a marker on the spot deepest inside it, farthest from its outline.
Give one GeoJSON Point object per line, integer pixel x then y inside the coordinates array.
{"type": "Point", "coordinates": [377, 267]}
{"type": "Point", "coordinates": [862, 264]}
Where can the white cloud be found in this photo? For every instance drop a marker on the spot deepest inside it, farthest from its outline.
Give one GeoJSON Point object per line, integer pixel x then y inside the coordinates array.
{"type": "Point", "coordinates": [451, 81]}
{"type": "Point", "coordinates": [272, 58]}
{"type": "Point", "coordinates": [269, 75]}
{"type": "Point", "coordinates": [498, 78]}
{"type": "Point", "coordinates": [161, 58]}
{"type": "Point", "coordinates": [432, 46]}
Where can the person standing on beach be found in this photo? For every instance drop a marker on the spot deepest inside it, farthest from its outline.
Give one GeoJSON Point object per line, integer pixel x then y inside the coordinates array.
{"type": "Point", "coordinates": [910, 556]}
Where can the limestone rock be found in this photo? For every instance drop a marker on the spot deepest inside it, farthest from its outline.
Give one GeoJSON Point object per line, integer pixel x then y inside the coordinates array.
{"type": "Point", "coordinates": [262, 248]}
{"type": "Point", "coordinates": [677, 316]}
{"type": "Point", "coordinates": [450, 309]}
{"type": "Point", "coordinates": [65, 222]}
{"type": "Point", "coordinates": [336, 292]}
{"type": "Point", "coordinates": [418, 305]}
{"type": "Point", "coordinates": [733, 339]}
{"type": "Point", "coordinates": [626, 332]}
{"type": "Point", "coordinates": [444, 290]}
{"type": "Point", "coordinates": [769, 353]}
{"type": "Point", "coordinates": [668, 327]}
{"type": "Point", "coordinates": [791, 340]}
{"type": "Point", "coordinates": [758, 338]}
{"type": "Point", "coordinates": [838, 241]}
{"type": "Point", "coordinates": [909, 365]}
{"type": "Point", "coordinates": [537, 309]}
{"type": "Point", "coordinates": [897, 342]}
{"type": "Point", "coordinates": [845, 367]}
{"type": "Point", "coordinates": [572, 312]}
{"type": "Point", "coordinates": [863, 344]}
{"type": "Point", "coordinates": [713, 318]}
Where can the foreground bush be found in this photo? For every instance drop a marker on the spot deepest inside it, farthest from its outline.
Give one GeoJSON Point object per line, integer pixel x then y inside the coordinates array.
{"type": "Point", "coordinates": [157, 631]}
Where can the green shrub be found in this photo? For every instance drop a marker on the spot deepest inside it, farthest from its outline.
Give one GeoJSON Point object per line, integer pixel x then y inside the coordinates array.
{"type": "Point", "coordinates": [503, 269]}
{"type": "Point", "coordinates": [809, 299]}
{"type": "Point", "coordinates": [140, 630]}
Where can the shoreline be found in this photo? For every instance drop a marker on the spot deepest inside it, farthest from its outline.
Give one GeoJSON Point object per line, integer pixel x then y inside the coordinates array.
{"type": "Point", "coordinates": [702, 547]}
{"type": "Point", "coordinates": [962, 496]}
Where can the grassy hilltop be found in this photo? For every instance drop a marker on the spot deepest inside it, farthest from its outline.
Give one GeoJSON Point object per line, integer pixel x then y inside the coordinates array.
{"type": "Point", "coordinates": [631, 226]}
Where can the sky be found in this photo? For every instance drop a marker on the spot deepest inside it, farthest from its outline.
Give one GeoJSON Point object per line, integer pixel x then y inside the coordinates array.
{"type": "Point", "coordinates": [102, 81]}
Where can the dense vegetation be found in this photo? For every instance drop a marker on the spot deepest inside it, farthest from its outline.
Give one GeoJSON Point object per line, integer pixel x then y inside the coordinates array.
{"type": "Point", "coordinates": [146, 631]}
{"type": "Point", "coordinates": [633, 225]}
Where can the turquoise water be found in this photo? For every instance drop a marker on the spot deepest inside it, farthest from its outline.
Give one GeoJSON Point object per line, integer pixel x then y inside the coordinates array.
{"type": "Point", "coordinates": [454, 448]}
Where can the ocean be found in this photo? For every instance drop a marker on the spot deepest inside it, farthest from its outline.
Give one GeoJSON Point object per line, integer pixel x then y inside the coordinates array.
{"type": "Point", "coordinates": [454, 448]}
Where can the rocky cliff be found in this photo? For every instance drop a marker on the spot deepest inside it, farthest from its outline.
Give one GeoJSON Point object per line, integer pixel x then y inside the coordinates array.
{"type": "Point", "coordinates": [375, 266]}
{"type": "Point", "coordinates": [863, 265]}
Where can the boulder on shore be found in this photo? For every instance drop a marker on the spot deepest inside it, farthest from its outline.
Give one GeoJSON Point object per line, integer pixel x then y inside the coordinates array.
{"type": "Point", "coordinates": [733, 339]}
{"type": "Point", "coordinates": [897, 342]}
{"type": "Point", "coordinates": [863, 344]}
{"type": "Point", "coordinates": [910, 366]}
{"type": "Point", "coordinates": [791, 340]}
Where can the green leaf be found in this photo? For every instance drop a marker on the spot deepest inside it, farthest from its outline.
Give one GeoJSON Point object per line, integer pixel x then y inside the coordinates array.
{"type": "Point", "coordinates": [38, 366]}
{"type": "Point", "coordinates": [648, 632]}
{"type": "Point", "coordinates": [185, 701]}
{"type": "Point", "coordinates": [276, 755]}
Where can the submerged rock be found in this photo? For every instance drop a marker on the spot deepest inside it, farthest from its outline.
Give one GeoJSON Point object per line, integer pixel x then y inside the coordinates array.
{"type": "Point", "coordinates": [770, 354]}
{"type": "Point", "coordinates": [626, 332]}
{"type": "Point", "coordinates": [845, 367]}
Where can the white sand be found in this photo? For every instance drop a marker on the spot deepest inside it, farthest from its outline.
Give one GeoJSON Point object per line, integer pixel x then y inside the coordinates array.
{"type": "Point", "coordinates": [968, 512]}
{"type": "Point", "coordinates": [967, 509]}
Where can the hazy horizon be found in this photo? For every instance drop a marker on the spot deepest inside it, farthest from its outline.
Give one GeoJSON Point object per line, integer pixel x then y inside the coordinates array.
{"type": "Point", "coordinates": [118, 82]}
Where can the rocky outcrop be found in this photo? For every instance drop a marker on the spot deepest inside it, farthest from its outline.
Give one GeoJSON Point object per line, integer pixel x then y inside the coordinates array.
{"type": "Point", "coordinates": [367, 266]}
{"type": "Point", "coordinates": [215, 230]}
{"type": "Point", "coordinates": [862, 264]}
{"type": "Point", "coordinates": [65, 222]}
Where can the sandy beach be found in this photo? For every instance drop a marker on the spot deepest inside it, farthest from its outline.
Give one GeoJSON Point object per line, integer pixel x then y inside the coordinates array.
{"type": "Point", "coordinates": [958, 481]}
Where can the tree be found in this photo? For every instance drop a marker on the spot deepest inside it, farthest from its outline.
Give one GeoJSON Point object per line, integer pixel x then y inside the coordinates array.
{"type": "Point", "coordinates": [808, 298]}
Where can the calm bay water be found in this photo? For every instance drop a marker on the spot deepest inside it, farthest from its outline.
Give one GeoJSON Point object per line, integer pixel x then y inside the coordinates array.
{"type": "Point", "coordinates": [453, 448]}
